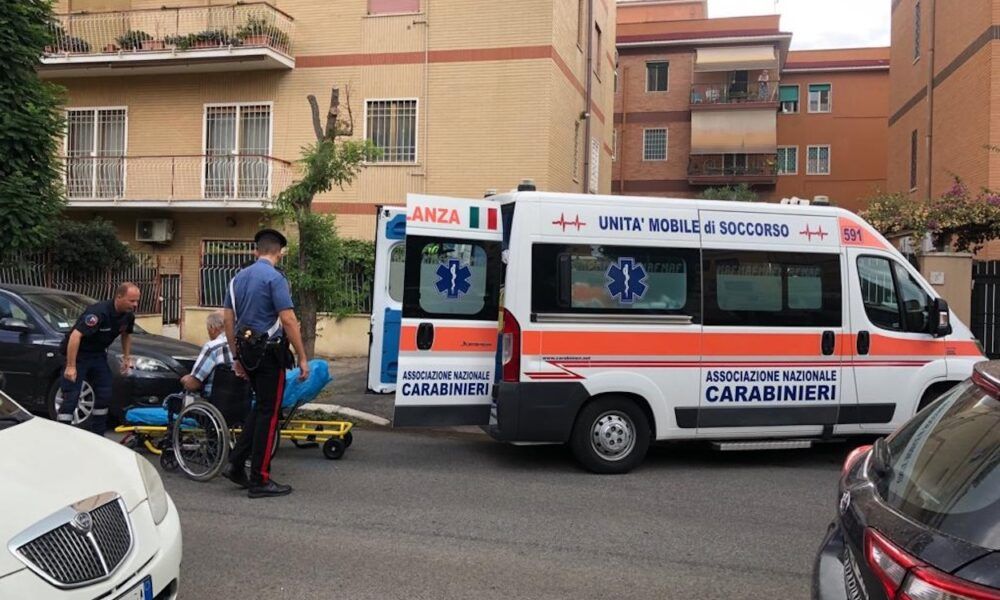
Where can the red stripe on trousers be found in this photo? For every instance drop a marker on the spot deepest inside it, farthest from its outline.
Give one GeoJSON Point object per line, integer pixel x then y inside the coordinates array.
{"type": "Point", "coordinates": [265, 466]}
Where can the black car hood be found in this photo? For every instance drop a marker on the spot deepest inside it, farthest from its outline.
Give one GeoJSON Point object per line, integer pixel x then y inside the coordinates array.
{"type": "Point", "coordinates": [158, 346]}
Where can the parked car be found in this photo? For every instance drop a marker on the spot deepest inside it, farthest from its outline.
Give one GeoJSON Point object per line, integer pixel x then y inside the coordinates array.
{"type": "Point", "coordinates": [33, 322]}
{"type": "Point", "coordinates": [83, 517]}
{"type": "Point", "coordinates": [919, 511]}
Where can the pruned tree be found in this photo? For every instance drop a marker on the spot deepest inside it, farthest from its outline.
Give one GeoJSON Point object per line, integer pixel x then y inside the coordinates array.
{"type": "Point", "coordinates": [334, 159]}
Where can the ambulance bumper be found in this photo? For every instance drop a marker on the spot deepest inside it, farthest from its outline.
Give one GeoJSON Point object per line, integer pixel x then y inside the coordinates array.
{"type": "Point", "coordinates": [536, 412]}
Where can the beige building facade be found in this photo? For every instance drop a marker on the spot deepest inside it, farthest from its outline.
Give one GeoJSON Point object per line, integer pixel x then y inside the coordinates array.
{"type": "Point", "coordinates": [185, 118]}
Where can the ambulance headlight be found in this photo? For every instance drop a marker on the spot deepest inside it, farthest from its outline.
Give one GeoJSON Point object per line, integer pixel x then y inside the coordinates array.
{"type": "Point", "coordinates": [156, 495]}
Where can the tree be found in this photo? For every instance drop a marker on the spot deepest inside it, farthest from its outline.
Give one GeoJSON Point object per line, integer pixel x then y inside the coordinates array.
{"type": "Point", "coordinates": [736, 193]}
{"type": "Point", "coordinates": [30, 125]}
{"type": "Point", "coordinates": [958, 218]}
{"type": "Point", "coordinates": [334, 160]}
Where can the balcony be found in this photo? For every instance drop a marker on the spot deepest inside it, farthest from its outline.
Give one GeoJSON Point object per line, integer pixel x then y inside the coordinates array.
{"type": "Point", "coordinates": [728, 169]}
{"type": "Point", "coordinates": [738, 94]}
{"type": "Point", "coordinates": [193, 181]}
{"type": "Point", "coordinates": [235, 37]}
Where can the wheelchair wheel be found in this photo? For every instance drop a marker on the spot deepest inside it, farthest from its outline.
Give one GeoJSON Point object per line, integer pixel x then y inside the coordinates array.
{"type": "Point", "coordinates": [200, 441]}
{"type": "Point", "coordinates": [334, 448]}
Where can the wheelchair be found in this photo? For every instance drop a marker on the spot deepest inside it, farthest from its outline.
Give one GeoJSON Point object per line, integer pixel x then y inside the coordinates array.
{"type": "Point", "coordinates": [195, 435]}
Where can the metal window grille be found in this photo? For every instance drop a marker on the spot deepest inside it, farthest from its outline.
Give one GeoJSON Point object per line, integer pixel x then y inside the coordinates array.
{"type": "Point", "coordinates": [220, 261]}
{"type": "Point", "coordinates": [237, 145]}
{"type": "Point", "coordinates": [654, 144]}
{"type": "Point", "coordinates": [392, 126]}
{"type": "Point", "coordinates": [913, 159]}
{"type": "Point", "coordinates": [576, 151]}
{"type": "Point", "coordinates": [170, 286]}
{"type": "Point", "coordinates": [788, 160]}
{"type": "Point", "coordinates": [916, 30]}
{"type": "Point", "coordinates": [819, 160]}
{"type": "Point", "coordinates": [95, 151]}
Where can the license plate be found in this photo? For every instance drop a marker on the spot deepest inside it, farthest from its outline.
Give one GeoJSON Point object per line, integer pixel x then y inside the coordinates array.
{"type": "Point", "coordinates": [142, 591]}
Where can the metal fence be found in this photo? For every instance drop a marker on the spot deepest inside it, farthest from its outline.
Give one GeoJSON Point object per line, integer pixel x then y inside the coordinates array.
{"type": "Point", "coordinates": [37, 269]}
{"type": "Point", "coordinates": [986, 305]}
{"type": "Point", "coordinates": [222, 259]}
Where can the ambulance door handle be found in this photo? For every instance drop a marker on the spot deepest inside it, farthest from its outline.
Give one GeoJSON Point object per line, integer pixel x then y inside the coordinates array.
{"type": "Point", "coordinates": [864, 342]}
{"type": "Point", "coordinates": [425, 336]}
{"type": "Point", "coordinates": [829, 342]}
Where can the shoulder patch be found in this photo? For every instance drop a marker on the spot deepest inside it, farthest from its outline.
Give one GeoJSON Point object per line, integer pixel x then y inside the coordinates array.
{"type": "Point", "coordinates": [91, 320]}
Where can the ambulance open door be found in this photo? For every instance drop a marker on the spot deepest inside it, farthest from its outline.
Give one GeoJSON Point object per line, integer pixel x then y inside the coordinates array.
{"type": "Point", "coordinates": [451, 290]}
{"type": "Point", "coordinates": [387, 299]}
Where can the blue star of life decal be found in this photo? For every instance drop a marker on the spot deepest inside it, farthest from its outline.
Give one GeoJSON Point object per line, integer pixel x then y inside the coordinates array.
{"type": "Point", "coordinates": [453, 279]}
{"type": "Point", "coordinates": [626, 280]}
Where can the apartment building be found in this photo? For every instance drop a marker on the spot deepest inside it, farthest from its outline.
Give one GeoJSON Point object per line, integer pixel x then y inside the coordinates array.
{"type": "Point", "coordinates": [185, 117]}
{"type": "Point", "coordinates": [707, 102]}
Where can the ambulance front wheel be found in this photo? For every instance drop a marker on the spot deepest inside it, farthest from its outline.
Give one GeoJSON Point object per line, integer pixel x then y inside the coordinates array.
{"type": "Point", "coordinates": [611, 436]}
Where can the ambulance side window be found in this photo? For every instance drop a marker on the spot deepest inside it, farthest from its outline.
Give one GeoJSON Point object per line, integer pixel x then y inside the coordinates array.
{"type": "Point", "coordinates": [451, 278]}
{"type": "Point", "coordinates": [397, 262]}
{"type": "Point", "coordinates": [595, 279]}
{"type": "Point", "coordinates": [772, 289]}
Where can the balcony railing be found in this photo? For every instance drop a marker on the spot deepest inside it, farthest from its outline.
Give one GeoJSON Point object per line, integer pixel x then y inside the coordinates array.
{"type": "Point", "coordinates": [710, 94]}
{"type": "Point", "coordinates": [176, 30]}
{"type": "Point", "coordinates": [166, 179]}
{"type": "Point", "coordinates": [733, 168]}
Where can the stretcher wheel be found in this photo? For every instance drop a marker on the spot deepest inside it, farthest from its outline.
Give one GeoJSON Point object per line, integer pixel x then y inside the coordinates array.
{"type": "Point", "coordinates": [334, 449]}
{"type": "Point", "coordinates": [348, 439]}
{"type": "Point", "coordinates": [168, 461]}
{"type": "Point", "coordinates": [130, 441]}
{"type": "Point", "coordinates": [302, 445]}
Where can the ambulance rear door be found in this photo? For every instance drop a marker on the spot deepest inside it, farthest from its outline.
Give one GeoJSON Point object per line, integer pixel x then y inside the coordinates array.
{"type": "Point", "coordinates": [387, 299]}
{"type": "Point", "coordinates": [451, 295]}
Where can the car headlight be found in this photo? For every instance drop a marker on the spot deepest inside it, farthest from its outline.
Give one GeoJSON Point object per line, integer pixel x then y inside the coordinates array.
{"type": "Point", "coordinates": [155, 493]}
{"type": "Point", "coordinates": [145, 363]}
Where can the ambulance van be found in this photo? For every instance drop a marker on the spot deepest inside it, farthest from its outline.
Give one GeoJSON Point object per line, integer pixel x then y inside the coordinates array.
{"type": "Point", "coordinates": [606, 323]}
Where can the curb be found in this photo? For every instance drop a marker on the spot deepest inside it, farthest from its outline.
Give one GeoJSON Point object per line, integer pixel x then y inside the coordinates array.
{"type": "Point", "coordinates": [349, 412]}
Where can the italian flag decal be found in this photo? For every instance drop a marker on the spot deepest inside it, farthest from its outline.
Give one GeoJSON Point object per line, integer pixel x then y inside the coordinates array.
{"type": "Point", "coordinates": [483, 218]}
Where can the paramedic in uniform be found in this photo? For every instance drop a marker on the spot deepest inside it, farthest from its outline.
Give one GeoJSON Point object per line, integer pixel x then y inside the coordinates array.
{"type": "Point", "coordinates": [86, 348]}
{"type": "Point", "coordinates": [260, 324]}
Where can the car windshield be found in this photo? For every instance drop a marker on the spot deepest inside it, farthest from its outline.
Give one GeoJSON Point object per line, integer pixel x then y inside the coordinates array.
{"type": "Point", "coordinates": [61, 310]}
{"type": "Point", "coordinates": [11, 413]}
{"type": "Point", "coordinates": [944, 467]}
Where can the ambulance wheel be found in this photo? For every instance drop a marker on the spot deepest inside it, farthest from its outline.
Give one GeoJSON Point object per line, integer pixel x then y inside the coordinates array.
{"type": "Point", "coordinates": [334, 449]}
{"type": "Point", "coordinates": [611, 436]}
{"type": "Point", "coordinates": [348, 439]}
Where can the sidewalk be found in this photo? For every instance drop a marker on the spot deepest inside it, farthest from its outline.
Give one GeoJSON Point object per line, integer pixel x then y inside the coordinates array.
{"type": "Point", "coordinates": [348, 390]}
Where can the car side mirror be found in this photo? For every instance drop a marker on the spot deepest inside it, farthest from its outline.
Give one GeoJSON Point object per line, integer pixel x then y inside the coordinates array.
{"type": "Point", "coordinates": [17, 325]}
{"type": "Point", "coordinates": [939, 318]}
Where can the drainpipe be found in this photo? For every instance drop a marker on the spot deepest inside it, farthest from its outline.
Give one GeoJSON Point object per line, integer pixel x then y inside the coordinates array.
{"type": "Point", "coordinates": [621, 136]}
{"type": "Point", "coordinates": [930, 100]}
{"type": "Point", "coordinates": [588, 96]}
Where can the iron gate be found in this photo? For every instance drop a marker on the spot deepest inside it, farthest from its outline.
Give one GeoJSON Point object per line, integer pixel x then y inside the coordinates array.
{"type": "Point", "coordinates": [170, 290]}
{"type": "Point", "coordinates": [986, 305]}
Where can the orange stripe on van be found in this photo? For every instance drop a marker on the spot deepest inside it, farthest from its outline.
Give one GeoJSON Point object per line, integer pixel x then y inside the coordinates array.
{"type": "Point", "coordinates": [452, 339]}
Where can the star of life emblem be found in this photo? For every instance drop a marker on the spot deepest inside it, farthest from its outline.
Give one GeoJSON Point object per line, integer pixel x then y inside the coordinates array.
{"type": "Point", "coordinates": [454, 279]}
{"type": "Point", "coordinates": [626, 280]}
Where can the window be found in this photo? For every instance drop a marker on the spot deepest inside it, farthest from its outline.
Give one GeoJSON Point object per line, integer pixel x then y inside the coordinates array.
{"type": "Point", "coordinates": [819, 97]}
{"type": "Point", "coordinates": [380, 7]}
{"type": "Point", "coordinates": [451, 279]}
{"type": "Point", "coordinates": [818, 160]}
{"type": "Point", "coordinates": [788, 95]}
{"type": "Point", "coordinates": [576, 152]}
{"type": "Point", "coordinates": [237, 151]}
{"type": "Point", "coordinates": [392, 126]}
{"type": "Point", "coordinates": [943, 467]}
{"type": "Point", "coordinates": [95, 153]}
{"type": "Point", "coordinates": [581, 21]}
{"type": "Point", "coordinates": [886, 288]}
{"type": "Point", "coordinates": [916, 31]}
{"type": "Point", "coordinates": [598, 56]}
{"type": "Point", "coordinates": [657, 74]}
{"type": "Point", "coordinates": [654, 144]}
{"type": "Point", "coordinates": [788, 160]}
{"type": "Point", "coordinates": [593, 279]}
{"type": "Point", "coordinates": [614, 144]}
{"type": "Point", "coordinates": [397, 261]}
{"type": "Point", "coordinates": [772, 289]}
{"type": "Point", "coordinates": [220, 260]}
{"type": "Point", "coordinates": [913, 160]}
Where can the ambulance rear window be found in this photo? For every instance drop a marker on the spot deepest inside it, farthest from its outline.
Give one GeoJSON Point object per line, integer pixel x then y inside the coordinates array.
{"type": "Point", "coordinates": [451, 279]}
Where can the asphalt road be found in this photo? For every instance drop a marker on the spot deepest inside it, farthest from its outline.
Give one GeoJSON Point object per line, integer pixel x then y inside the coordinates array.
{"type": "Point", "coordinates": [451, 515]}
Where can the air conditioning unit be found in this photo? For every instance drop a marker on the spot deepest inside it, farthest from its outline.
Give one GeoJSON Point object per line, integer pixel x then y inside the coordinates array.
{"type": "Point", "coordinates": [821, 200]}
{"type": "Point", "coordinates": [157, 231]}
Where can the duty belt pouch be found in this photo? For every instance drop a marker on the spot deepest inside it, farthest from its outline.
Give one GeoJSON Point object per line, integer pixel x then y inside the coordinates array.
{"type": "Point", "coordinates": [251, 347]}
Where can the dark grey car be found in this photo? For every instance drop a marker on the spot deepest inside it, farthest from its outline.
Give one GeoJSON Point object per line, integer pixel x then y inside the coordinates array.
{"type": "Point", "coordinates": [918, 513]}
{"type": "Point", "coordinates": [33, 322]}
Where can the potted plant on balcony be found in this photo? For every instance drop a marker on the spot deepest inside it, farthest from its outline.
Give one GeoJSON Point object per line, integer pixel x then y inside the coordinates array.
{"type": "Point", "coordinates": [133, 40]}
{"type": "Point", "coordinates": [180, 42]}
{"type": "Point", "coordinates": [65, 42]}
{"type": "Point", "coordinates": [212, 38]}
{"type": "Point", "coordinates": [258, 31]}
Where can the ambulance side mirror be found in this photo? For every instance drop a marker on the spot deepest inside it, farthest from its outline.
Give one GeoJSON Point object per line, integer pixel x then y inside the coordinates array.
{"type": "Point", "coordinates": [940, 318]}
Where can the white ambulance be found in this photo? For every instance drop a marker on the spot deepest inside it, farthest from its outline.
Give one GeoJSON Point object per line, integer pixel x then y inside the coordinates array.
{"type": "Point", "coordinates": [608, 322]}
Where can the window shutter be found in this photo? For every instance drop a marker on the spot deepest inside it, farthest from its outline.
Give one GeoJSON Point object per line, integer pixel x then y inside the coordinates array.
{"type": "Point", "coordinates": [819, 87]}
{"type": "Point", "coordinates": [789, 93]}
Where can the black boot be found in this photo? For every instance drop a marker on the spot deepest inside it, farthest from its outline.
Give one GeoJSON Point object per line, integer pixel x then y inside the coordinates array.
{"type": "Point", "coordinates": [269, 489]}
{"type": "Point", "coordinates": [236, 474]}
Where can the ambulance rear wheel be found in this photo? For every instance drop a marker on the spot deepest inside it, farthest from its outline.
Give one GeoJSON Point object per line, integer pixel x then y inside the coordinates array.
{"type": "Point", "coordinates": [611, 436]}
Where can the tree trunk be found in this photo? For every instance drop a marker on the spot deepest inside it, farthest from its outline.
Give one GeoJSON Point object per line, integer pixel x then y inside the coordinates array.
{"type": "Point", "coordinates": [308, 303]}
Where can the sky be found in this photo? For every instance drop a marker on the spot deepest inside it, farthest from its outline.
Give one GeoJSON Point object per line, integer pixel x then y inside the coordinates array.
{"type": "Point", "coordinates": [819, 23]}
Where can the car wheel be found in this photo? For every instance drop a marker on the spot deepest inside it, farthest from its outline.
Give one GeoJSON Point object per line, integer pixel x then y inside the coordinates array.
{"type": "Point", "coordinates": [84, 407]}
{"type": "Point", "coordinates": [611, 436]}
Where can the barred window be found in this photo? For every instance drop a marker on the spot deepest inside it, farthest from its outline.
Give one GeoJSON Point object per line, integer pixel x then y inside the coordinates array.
{"type": "Point", "coordinates": [392, 126]}
{"type": "Point", "coordinates": [818, 160]}
{"type": "Point", "coordinates": [237, 149]}
{"type": "Point", "coordinates": [654, 144]}
{"type": "Point", "coordinates": [788, 160]}
{"type": "Point", "coordinates": [95, 153]}
{"type": "Point", "coordinates": [220, 261]}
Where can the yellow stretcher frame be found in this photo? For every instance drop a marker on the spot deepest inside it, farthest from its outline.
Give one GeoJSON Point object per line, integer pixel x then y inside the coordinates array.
{"type": "Point", "coordinates": [296, 430]}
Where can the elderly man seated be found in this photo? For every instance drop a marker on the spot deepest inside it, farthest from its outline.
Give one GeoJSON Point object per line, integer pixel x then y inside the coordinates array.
{"type": "Point", "coordinates": [214, 352]}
